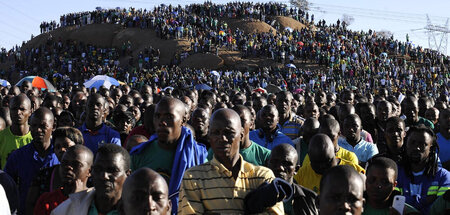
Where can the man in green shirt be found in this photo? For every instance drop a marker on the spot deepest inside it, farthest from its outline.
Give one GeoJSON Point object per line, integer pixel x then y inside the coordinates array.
{"type": "Point", "coordinates": [410, 108]}
{"type": "Point", "coordinates": [250, 151]}
{"type": "Point", "coordinates": [18, 134]}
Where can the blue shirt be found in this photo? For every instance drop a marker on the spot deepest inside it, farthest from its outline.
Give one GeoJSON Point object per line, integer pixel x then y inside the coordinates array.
{"type": "Point", "coordinates": [23, 164]}
{"type": "Point", "coordinates": [417, 190]}
{"type": "Point", "coordinates": [363, 150]}
{"type": "Point", "coordinates": [444, 148]}
{"type": "Point", "coordinates": [96, 139]}
{"type": "Point", "coordinates": [258, 137]}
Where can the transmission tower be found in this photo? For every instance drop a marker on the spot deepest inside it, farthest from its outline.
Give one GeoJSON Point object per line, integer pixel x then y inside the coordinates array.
{"type": "Point", "coordinates": [437, 36]}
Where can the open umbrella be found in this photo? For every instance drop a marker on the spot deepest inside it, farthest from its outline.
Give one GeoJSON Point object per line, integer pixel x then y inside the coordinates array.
{"type": "Point", "coordinates": [298, 90]}
{"type": "Point", "coordinates": [214, 72]}
{"type": "Point", "coordinates": [273, 89]}
{"type": "Point", "coordinates": [259, 89]}
{"type": "Point", "coordinates": [291, 66]}
{"type": "Point", "coordinates": [289, 29]}
{"type": "Point", "coordinates": [202, 87]}
{"type": "Point", "coordinates": [4, 83]}
{"type": "Point", "coordinates": [38, 82]}
{"type": "Point", "coordinates": [101, 80]}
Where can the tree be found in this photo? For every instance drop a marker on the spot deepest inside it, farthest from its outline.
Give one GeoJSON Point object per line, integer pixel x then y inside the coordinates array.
{"type": "Point", "coordinates": [301, 4]}
{"type": "Point", "coordinates": [347, 19]}
{"type": "Point", "coordinates": [385, 33]}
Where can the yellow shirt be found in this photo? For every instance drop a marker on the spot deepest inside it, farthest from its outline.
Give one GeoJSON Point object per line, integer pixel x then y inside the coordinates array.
{"type": "Point", "coordinates": [311, 180]}
{"type": "Point", "coordinates": [10, 142]}
{"type": "Point", "coordinates": [210, 188]}
{"type": "Point", "coordinates": [342, 153]}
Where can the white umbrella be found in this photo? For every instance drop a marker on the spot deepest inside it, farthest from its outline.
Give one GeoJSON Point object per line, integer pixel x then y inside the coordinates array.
{"type": "Point", "coordinates": [291, 66]}
{"type": "Point", "coordinates": [101, 80]}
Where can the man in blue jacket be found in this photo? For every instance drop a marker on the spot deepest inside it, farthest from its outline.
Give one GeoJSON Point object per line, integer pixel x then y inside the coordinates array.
{"type": "Point", "coordinates": [172, 149]}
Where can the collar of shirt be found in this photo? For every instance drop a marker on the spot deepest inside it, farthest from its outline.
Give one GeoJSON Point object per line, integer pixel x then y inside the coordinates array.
{"type": "Point", "coordinates": [222, 169]}
{"type": "Point", "coordinates": [36, 154]}
{"type": "Point", "coordinates": [102, 130]}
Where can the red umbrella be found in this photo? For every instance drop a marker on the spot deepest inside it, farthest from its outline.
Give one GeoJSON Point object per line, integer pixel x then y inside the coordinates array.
{"type": "Point", "coordinates": [300, 43]}
{"type": "Point", "coordinates": [261, 90]}
{"type": "Point", "coordinates": [38, 82]}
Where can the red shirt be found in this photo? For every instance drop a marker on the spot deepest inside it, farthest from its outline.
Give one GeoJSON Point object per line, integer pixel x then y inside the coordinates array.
{"type": "Point", "coordinates": [140, 130]}
{"type": "Point", "coordinates": [49, 201]}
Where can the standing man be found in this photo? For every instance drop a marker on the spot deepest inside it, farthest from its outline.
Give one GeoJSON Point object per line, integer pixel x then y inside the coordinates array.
{"type": "Point", "coordinates": [109, 172]}
{"type": "Point", "coordinates": [172, 149]}
{"type": "Point", "coordinates": [24, 163]}
{"type": "Point", "coordinates": [227, 179]}
{"type": "Point", "coordinates": [341, 192]}
{"type": "Point", "coordinates": [283, 163]}
{"type": "Point", "coordinates": [410, 108]}
{"type": "Point", "coordinates": [95, 132]}
{"type": "Point", "coordinates": [289, 122]}
{"type": "Point", "coordinates": [443, 138]}
{"type": "Point", "coordinates": [18, 134]}
{"type": "Point", "coordinates": [146, 192]}
{"type": "Point", "coordinates": [269, 135]}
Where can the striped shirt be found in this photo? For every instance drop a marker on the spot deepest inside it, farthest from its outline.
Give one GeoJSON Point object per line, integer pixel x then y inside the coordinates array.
{"type": "Point", "coordinates": [211, 188]}
{"type": "Point", "coordinates": [291, 128]}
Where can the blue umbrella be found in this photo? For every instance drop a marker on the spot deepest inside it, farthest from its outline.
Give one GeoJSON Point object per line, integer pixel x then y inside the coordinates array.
{"type": "Point", "coordinates": [202, 87]}
{"type": "Point", "coordinates": [4, 83]}
{"type": "Point", "coordinates": [101, 80]}
{"type": "Point", "coordinates": [291, 66]}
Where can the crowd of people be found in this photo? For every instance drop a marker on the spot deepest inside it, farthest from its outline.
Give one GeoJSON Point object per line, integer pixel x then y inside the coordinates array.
{"type": "Point", "coordinates": [351, 138]}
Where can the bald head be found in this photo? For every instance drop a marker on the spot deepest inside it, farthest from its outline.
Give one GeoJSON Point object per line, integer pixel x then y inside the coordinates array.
{"type": "Point", "coordinates": [321, 145]}
{"type": "Point", "coordinates": [83, 152]}
{"type": "Point", "coordinates": [285, 150]}
{"type": "Point", "coordinates": [226, 115]}
{"type": "Point", "coordinates": [44, 113]}
{"type": "Point", "coordinates": [176, 104]}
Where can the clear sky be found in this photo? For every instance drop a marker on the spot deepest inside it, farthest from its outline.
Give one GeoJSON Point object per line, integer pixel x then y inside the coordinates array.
{"type": "Point", "coordinates": [21, 18]}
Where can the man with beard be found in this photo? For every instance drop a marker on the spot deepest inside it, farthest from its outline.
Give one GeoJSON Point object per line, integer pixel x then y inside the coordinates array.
{"type": "Point", "coordinates": [420, 178]}
{"type": "Point", "coordinates": [111, 168]}
{"type": "Point", "coordinates": [269, 135]}
{"type": "Point", "coordinates": [75, 171]}
{"type": "Point", "coordinates": [18, 134]}
{"type": "Point", "coordinates": [289, 122]}
{"type": "Point", "coordinates": [410, 108]}
{"type": "Point", "coordinates": [229, 177]}
{"type": "Point", "coordinates": [354, 142]}
{"type": "Point", "coordinates": [95, 132]}
{"type": "Point", "coordinates": [200, 121]}
{"type": "Point", "coordinates": [24, 163]}
{"type": "Point", "coordinates": [146, 193]}
{"type": "Point", "coordinates": [172, 149]}
{"type": "Point", "coordinates": [283, 163]}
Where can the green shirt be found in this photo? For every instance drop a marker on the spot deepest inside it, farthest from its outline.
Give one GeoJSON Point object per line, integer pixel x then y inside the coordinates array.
{"type": "Point", "coordinates": [368, 210]}
{"type": "Point", "coordinates": [10, 142]}
{"type": "Point", "coordinates": [93, 210]}
{"type": "Point", "coordinates": [156, 158]}
{"type": "Point", "coordinates": [254, 154]}
{"type": "Point", "coordinates": [440, 206]}
{"type": "Point", "coordinates": [426, 122]}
